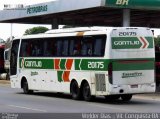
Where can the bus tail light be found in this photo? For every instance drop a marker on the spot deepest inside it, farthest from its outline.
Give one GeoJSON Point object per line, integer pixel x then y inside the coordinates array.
{"type": "Point", "coordinates": [110, 69]}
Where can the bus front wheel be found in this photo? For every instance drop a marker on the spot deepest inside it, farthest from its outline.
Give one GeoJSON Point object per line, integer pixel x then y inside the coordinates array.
{"type": "Point", "coordinates": [26, 89]}
{"type": "Point", "coordinates": [126, 97]}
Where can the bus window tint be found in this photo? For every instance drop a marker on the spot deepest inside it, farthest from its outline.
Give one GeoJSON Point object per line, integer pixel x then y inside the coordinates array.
{"type": "Point", "coordinates": [31, 47]}
{"type": "Point", "coordinates": [65, 48]}
{"type": "Point", "coordinates": [71, 47]}
{"type": "Point", "coordinates": [99, 45]}
{"type": "Point", "coordinates": [93, 45]}
{"type": "Point", "coordinates": [50, 47]}
{"type": "Point", "coordinates": [59, 47]}
{"type": "Point", "coordinates": [87, 46]}
{"type": "Point", "coordinates": [24, 49]}
{"type": "Point", "coordinates": [77, 47]}
{"type": "Point", "coordinates": [37, 47]}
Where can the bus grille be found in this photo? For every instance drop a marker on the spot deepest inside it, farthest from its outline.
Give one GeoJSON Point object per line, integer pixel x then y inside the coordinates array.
{"type": "Point", "coordinates": [100, 82]}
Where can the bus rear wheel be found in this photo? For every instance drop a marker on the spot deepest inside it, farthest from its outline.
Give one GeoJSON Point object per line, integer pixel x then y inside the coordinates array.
{"type": "Point", "coordinates": [75, 91]}
{"type": "Point", "coordinates": [26, 89]}
{"type": "Point", "coordinates": [126, 97]}
{"type": "Point", "coordinates": [87, 92]}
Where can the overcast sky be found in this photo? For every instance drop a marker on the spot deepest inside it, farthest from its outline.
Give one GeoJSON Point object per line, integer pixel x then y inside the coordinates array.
{"type": "Point", "coordinates": [5, 29]}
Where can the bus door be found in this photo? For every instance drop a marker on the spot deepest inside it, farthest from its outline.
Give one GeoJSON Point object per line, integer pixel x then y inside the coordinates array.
{"type": "Point", "coordinates": [2, 59]}
{"type": "Point", "coordinates": [14, 59]}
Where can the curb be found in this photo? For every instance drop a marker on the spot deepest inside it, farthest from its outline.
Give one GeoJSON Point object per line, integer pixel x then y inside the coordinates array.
{"type": "Point", "coordinates": [4, 81]}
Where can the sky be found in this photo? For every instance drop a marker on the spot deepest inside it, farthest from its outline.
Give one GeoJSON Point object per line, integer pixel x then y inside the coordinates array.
{"type": "Point", "coordinates": [5, 29]}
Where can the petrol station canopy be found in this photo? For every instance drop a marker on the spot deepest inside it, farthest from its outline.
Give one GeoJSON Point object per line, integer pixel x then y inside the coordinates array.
{"type": "Point", "coordinates": [144, 13]}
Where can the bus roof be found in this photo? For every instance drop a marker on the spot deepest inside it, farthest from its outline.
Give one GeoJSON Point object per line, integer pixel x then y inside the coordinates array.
{"type": "Point", "coordinates": [74, 31]}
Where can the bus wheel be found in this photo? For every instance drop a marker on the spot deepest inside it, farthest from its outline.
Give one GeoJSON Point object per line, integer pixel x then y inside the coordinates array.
{"type": "Point", "coordinates": [87, 92]}
{"type": "Point", "coordinates": [126, 97]}
{"type": "Point", "coordinates": [75, 91]}
{"type": "Point", "coordinates": [25, 88]}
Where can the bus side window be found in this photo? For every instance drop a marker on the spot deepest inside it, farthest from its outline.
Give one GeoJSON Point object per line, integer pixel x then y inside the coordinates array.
{"type": "Point", "coordinates": [50, 47]}
{"type": "Point", "coordinates": [90, 47]}
{"type": "Point", "coordinates": [37, 47]}
{"type": "Point", "coordinates": [77, 47]}
{"type": "Point", "coordinates": [75, 50]}
{"type": "Point", "coordinates": [29, 47]}
{"type": "Point", "coordinates": [53, 48]}
{"type": "Point", "coordinates": [59, 48]}
{"type": "Point", "coordinates": [87, 46]}
{"type": "Point", "coordinates": [47, 46]}
{"type": "Point", "coordinates": [98, 47]}
{"type": "Point", "coordinates": [65, 48]}
{"type": "Point", "coordinates": [24, 49]}
{"type": "Point", "coordinates": [71, 47]}
{"type": "Point", "coordinates": [45, 51]}
{"type": "Point", "coordinates": [84, 49]}
{"type": "Point", "coordinates": [40, 43]}
{"type": "Point", "coordinates": [34, 50]}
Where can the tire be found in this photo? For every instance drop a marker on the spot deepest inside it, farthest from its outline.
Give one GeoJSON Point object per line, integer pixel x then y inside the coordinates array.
{"type": "Point", "coordinates": [25, 88]}
{"type": "Point", "coordinates": [112, 97]}
{"type": "Point", "coordinates": [126, 97]}
{"type": "Point", "coordinates": [87, 92]}
{"type": "Point", "coordinates": [75, 91]}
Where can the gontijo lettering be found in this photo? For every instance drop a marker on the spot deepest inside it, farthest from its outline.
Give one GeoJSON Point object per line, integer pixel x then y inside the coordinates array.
{"type": "Point", "coordinates": [126, 42]}
{"type": "Point", "coordinates": [37, 64]}
{"type": "Point", "coordinates": [132, 42]}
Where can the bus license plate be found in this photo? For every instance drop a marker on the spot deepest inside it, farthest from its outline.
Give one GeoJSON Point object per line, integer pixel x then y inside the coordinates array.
{"type": "Point", "coordinates": [134, 86]}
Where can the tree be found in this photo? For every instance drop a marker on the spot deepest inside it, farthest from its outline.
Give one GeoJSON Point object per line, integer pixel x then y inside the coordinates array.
{"type": "Point", "coordinates": [36, 30]}
{"type": "Point", "coordinates": [157, 41]}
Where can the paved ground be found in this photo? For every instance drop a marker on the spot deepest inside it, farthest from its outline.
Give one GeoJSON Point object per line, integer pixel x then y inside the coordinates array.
{"type": "Point", "coordinates": [153, 96]}
{"type": "Point", "coordinates": [14, 101]}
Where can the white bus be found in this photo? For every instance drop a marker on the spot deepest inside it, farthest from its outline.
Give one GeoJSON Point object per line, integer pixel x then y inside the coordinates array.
{"type": "Point", "coordinates": [85, 62]}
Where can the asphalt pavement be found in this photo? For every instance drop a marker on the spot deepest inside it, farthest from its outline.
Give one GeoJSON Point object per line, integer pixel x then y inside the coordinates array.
{"type": "Point", "coordinates": [14, 101]}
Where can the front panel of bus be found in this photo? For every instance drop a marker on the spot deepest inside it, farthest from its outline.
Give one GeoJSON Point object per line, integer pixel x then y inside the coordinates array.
{"type": "Point", "coordinates": [14, 57]}
{"type": "Point", "coordinates": [2, 58]}
{"type": "Point", "coordinates": [132, 65]}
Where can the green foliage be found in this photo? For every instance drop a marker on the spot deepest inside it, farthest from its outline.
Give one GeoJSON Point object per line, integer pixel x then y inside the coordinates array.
{"type": "Point", "coordinates": [157, 41]}
{"type": "Point", "coordinates": [36, 30]}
